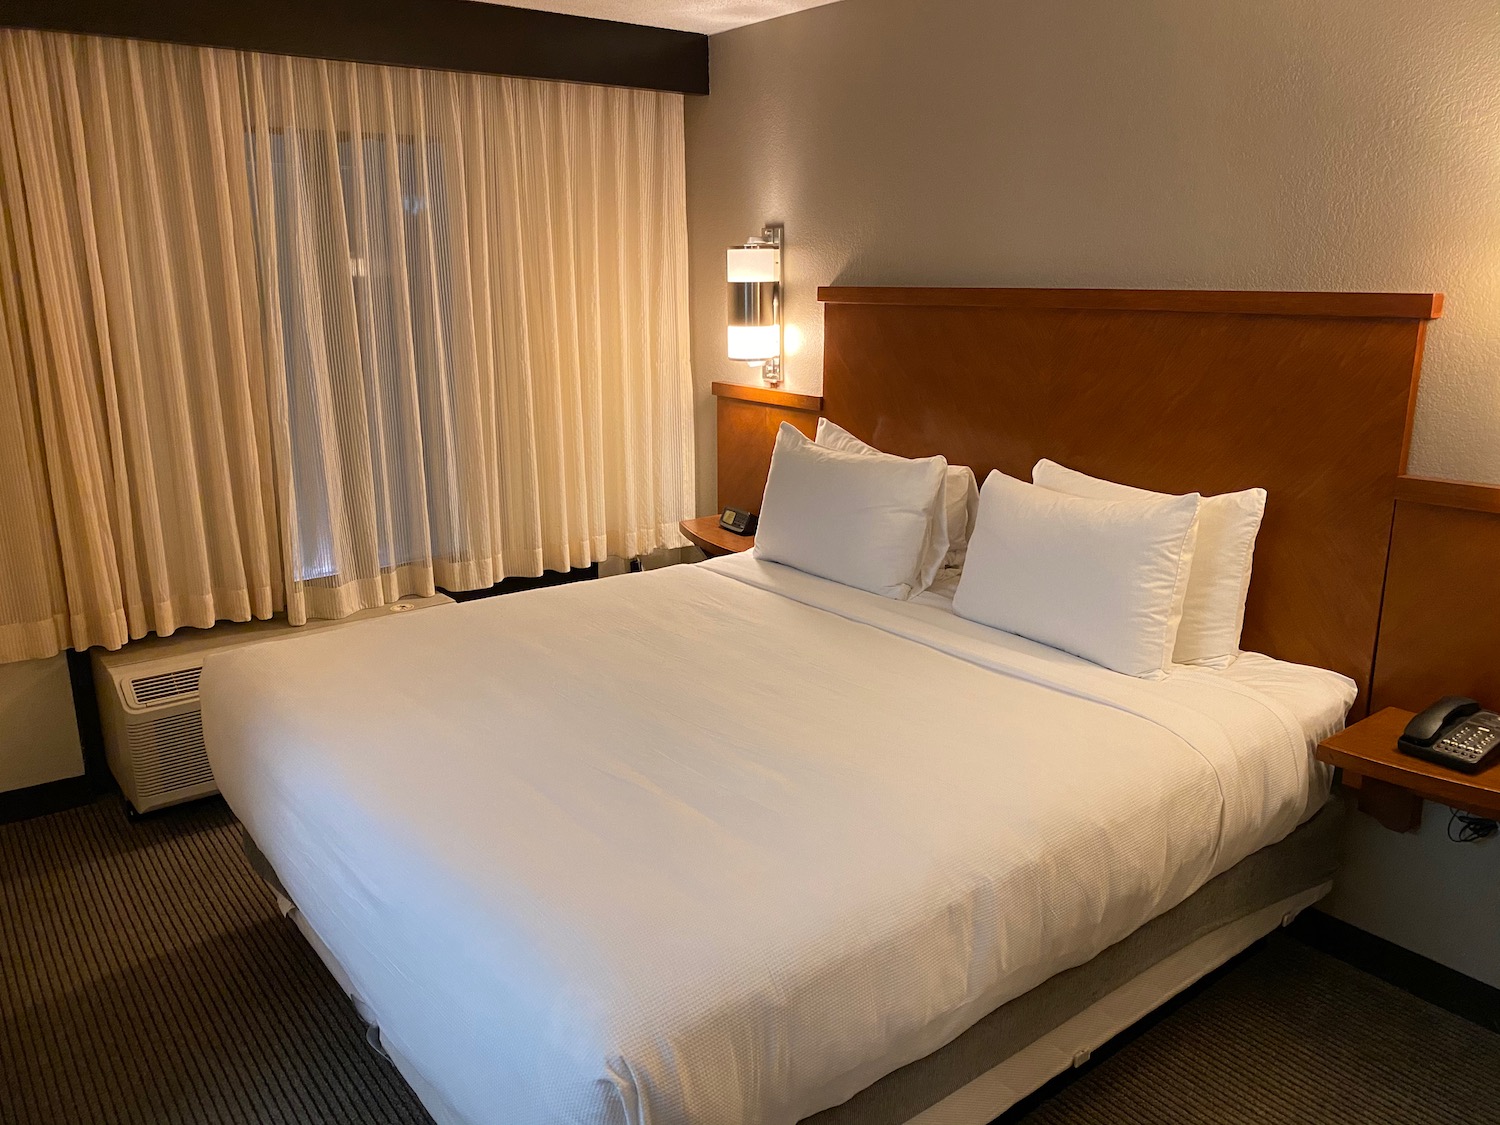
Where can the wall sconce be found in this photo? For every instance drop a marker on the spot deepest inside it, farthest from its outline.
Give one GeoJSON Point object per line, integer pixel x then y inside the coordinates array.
{"type": "Point", "coordinates": [755, 304]}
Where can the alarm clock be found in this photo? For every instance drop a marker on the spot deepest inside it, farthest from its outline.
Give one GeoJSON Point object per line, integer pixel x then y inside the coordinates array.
{"type": "Point", "coordinates": [741, 523]}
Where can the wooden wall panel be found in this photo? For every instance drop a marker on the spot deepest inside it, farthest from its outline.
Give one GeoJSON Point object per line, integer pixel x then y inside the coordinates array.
{"type": "Point", "coordinates": [748, 418]}
{"type": "Point", "coordinates": [1440, 629]}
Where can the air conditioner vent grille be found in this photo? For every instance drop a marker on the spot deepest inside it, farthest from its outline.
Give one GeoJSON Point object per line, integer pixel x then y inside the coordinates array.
{"type": "Point", "coordinates": [168, 755]}
{"type": "Point", "coordinates": [165, 685]}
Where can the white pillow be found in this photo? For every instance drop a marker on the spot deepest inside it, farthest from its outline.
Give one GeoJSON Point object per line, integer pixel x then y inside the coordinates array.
{"type": "Point", "coordinates": [1097, 578]}
{"type": "Point", "coordinates": [956, 516]}
{"type": "Point", "coordinates": [856, 519]}
{"type": "Point", "coordinates": [1213, 613]}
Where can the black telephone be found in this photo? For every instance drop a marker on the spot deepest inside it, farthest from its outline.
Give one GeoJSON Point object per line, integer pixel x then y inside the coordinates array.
{"type": "Point", "coordinates": [1453, 732]}
{"type": "Point", "coordinates": [737, 521]}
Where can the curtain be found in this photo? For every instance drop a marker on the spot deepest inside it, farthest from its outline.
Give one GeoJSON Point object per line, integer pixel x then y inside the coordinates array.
{"type": "Point", "coordinates": [33, 605]}
{"type": "Point", "coordinates": [482, 322]}
{"type": "Point", "coordinates": [288, 333]}
{"type": "Point", "coordinates": [139, 332]}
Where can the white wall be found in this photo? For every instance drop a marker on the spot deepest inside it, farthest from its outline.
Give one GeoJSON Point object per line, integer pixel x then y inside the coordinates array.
{"type": "Point", "coordinates": [1255, 144]}
{"type": "Point", "coordinates": [38, 731]}
{"type": "Point", "coordinates": [1424, 892]}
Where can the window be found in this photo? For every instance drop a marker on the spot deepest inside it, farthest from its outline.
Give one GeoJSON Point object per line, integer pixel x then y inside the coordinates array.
{"type": "Point", "coordinates": [366, 336]}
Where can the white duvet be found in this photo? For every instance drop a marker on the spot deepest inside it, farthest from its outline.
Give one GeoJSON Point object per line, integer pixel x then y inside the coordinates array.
{"type": "Point", "coordinates": [727, 843]}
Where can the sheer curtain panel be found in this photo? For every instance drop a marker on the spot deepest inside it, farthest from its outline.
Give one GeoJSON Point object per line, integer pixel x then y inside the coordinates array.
{"type": "Point", "coordinates": [33, 605]}
{"type": "Point", "coordinates": [314, 335]}
{"type": "Point", "coordinates": [133, 311]}
{"type": "Point", "coordinates": [478, 321]}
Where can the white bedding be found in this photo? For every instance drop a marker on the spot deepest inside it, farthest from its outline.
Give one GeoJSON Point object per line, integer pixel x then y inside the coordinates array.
{"type": "Point", "coordinates": [721, 843]}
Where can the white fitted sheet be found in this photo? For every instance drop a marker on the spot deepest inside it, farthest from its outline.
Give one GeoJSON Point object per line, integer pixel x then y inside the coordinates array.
{"type": "Point", "coordinates": [725, 842]}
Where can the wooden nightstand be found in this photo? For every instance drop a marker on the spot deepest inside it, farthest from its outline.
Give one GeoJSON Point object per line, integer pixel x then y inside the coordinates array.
{"type": "Point", "coordinates": [706, 534]}
{"type": "Point", "coordinates": [1392, 785]}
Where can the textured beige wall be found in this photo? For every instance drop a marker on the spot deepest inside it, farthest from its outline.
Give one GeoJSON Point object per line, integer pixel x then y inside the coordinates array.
{"type": "Point", "coordinates": [1256, 144]}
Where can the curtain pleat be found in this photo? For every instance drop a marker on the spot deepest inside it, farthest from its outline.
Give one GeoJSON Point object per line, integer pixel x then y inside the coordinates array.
{"type": "Point", "coordinates": [291, 333]}
{"type": "Point", "coordinates": [33, 599]}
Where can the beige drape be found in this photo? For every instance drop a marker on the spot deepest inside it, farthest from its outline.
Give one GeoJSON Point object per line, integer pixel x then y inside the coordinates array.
{"type": "Point", "coordinates": [284, 332]}
{"type": "Point", "coordinates": [132, 310]}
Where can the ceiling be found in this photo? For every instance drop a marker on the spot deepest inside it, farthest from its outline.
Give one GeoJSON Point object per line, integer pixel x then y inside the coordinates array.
{"type": "Point", "coordinates": [707, 16]}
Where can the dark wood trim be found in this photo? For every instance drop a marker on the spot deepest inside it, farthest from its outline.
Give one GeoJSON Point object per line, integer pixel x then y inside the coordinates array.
{"type": "Point", "coordinates": [1403, 306]}
{"type": "Point", "coordinates": [1449, 989]}
{"type": "Point", "coordinates": [1467, 495]}
{"type": "Point", "coordinates": [430, 34]}
{"type": "Point", "coordinates": [50, 797]}
{"type": "Point", "coordinates": [768, 396]}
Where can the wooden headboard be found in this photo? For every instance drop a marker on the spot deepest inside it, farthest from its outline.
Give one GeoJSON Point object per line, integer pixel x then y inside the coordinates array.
{"type": "Point", "coordinates": [1308, 395]}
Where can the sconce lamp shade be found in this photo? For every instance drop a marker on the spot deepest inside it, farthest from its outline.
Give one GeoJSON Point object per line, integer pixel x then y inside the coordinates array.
{"type": "Point", "coordinates": [754, 274]}
{"type": "Point", "coordinates": [754, 263]}
{"type": "Point", "coordinates": [754, 302]}
{"type": "Point", "coordinates": [755, 342]}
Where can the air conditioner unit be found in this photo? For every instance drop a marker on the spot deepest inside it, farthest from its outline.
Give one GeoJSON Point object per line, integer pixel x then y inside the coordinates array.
{"type": "Point", "coordinates": [148, 703]}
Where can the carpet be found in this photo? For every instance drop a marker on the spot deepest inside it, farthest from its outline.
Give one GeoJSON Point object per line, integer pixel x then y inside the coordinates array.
{"type": "Point", "coordinates": [146, 978]}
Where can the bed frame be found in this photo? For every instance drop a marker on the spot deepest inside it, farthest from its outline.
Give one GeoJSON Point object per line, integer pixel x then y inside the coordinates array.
{"type": "Point", "coordinates": [1308, 395]}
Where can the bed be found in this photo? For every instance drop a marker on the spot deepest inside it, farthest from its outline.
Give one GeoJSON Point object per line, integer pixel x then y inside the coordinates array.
{"type": "Point", "coordinates": [734, 843]}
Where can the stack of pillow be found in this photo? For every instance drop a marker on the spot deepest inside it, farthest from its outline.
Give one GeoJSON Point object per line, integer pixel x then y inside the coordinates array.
{"type": "Point", "coordinates": [1129, 579]}
{"type": "Point", "coordinates": [841, 509]}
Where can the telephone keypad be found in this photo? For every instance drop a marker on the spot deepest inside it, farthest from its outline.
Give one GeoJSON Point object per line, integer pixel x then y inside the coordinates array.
{"type": "Point", "coordinates": [1469, 742]}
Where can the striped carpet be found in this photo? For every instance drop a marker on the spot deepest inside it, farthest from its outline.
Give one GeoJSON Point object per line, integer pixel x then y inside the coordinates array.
{"type": "Point", "coordinates": [149, 980]}
{"type": "Point", "coordinates": [146, 979]}
{"type": "Point", "coordinates": [1292, 1035]}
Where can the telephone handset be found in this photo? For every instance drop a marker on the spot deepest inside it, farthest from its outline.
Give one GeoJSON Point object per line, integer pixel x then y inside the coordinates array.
{"type": "Point", "coordinates": [1453, 732]}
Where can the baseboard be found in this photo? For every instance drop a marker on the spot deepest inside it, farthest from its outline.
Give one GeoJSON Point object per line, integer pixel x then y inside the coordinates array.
{"type": "Point", "coordinates": [1421, 976]}
{"type": "Point", "coordinates": [49, 797]}
{"type": "Point", "coordinates": [518, 584]}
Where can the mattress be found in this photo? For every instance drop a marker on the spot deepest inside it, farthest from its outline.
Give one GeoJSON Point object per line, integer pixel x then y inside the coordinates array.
{"type": "Point", "coordinates": [727, 842]}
